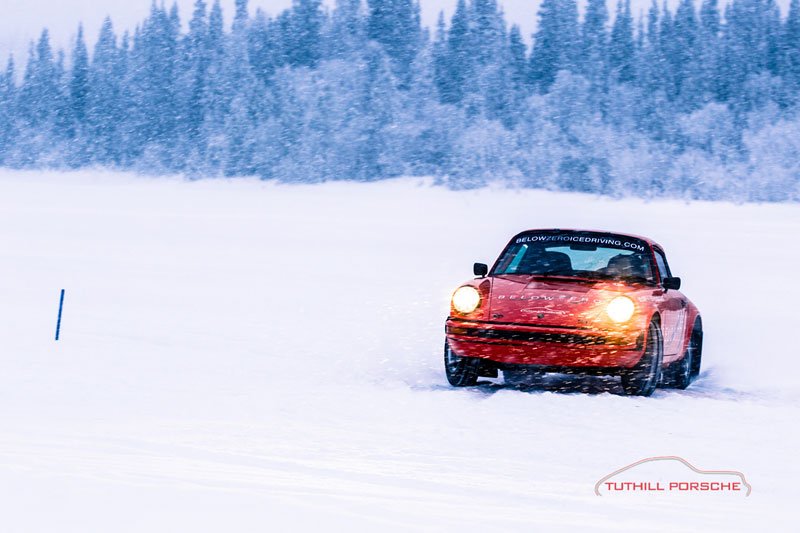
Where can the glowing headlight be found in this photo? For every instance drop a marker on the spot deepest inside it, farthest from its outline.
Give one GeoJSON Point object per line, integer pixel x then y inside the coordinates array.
{"type": "Point", "coordinates": [466, 299]}
{"type": "Point", "coordinates": [620, 309]}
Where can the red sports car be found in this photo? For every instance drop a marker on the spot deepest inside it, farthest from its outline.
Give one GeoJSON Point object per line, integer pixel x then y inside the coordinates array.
{"type": "Point", "coordinates": [573, 301]}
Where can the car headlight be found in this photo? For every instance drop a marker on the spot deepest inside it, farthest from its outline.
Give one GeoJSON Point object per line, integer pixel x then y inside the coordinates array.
{"type": "Point", "coordinates": [620, 309]}
{"type": "Point", "coordinates": [466, 299]}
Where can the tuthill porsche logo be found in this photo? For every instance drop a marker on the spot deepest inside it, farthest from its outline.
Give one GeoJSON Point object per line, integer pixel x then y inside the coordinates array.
{"type": "Point", "coordinates": [671, 474]}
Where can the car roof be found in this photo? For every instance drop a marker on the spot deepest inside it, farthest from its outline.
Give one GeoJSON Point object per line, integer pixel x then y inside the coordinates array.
{"type": "Point", "coordinates": [649, 241]}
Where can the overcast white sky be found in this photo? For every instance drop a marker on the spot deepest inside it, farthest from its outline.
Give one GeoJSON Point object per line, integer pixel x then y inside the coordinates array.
{"type": "Point", "coordinates": [23, 20]}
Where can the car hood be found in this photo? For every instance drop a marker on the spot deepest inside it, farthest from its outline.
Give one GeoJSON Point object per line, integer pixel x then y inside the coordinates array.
{"type": "Point", "coordinates": [551, 301]}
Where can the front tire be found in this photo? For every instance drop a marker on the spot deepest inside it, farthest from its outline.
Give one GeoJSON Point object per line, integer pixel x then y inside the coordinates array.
{"type": "Point", "coordinates": [460, 371]}
{"type": "Point", "coordinates": [641, 380]}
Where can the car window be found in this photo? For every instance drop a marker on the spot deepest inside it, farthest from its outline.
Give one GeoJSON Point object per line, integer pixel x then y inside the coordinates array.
{"type": "Point", "coordinates": [661, 263]}
{"type": "Point", "coordinates": [552, 257]}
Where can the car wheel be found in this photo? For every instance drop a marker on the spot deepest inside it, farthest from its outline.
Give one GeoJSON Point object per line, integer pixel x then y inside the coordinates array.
{"type": "Point", "coordinates": [461, 371]}
{"type": "Point", "coordinates": [684, 371]}
{"type": "Point", "coordinates": [641, 380]}
{"type": "Point", "coordinates": [679, 372]}
{"type": "Point", "coordinates": [697, 349]}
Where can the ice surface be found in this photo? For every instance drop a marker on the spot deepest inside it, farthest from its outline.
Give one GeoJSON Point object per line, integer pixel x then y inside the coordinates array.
{"type": "Point", "coordinates": [244, 356]}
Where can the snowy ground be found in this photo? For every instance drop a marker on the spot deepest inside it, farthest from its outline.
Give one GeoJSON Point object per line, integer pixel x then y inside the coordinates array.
{"type": "Point", "coordinates": [239, 355]}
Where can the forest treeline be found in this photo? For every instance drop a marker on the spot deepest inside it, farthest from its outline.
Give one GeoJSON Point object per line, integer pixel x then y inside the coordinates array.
{"type": "Point", "coordinates": [695, 102]}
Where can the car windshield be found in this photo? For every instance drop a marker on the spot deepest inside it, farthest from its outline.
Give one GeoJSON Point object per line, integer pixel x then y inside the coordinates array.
{"type": "Point", "coordinates": [577, 255]}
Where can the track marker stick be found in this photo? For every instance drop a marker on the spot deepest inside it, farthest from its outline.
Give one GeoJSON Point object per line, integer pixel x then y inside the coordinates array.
{"type": "Point", "coordinates": [60, 308]}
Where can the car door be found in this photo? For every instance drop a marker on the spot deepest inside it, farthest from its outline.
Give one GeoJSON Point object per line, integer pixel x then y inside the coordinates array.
{"type": "Point", "coordinates": [673, 308]}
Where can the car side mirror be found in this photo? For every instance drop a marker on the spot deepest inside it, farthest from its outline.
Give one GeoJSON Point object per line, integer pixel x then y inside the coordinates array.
{"type": "Point", "coordinates": [480, 270]}
{"type": "Point", "coordinates": [671, 283]}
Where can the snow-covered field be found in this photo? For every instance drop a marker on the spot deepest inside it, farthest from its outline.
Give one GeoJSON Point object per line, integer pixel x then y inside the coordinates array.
{"type": "Point", "coordinates": [246, 356]}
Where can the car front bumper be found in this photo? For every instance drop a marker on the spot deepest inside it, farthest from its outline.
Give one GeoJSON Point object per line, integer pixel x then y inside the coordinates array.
{"type": "Point", "coordinates": [545, 346]}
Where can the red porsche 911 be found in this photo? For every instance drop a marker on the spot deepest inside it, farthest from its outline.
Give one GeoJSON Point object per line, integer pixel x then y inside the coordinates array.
{"type": "Point", "coordinates": [573, 301]}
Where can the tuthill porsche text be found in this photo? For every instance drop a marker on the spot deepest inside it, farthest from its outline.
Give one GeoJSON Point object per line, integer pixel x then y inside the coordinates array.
{"type": "Point", "coordinates": [679, 486]}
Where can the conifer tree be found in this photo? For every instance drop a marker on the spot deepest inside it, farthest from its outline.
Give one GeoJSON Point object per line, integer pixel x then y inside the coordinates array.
{"type": "Point", "coordinates": [621, 47]}
{"type": "Point", "coordinates": [790, 46]}
{"type": "Point", "coordinates": [79, 79]}
{"type": "Point", "coordinates": [302, 40]}
{"type": "Point", "coordinates": [555, 43]}
{"type": "Point", "coordinates": [395, 24]}
{"type": "Point", "coordinates": [38, 98]}
{"type": "Point", "coordinates": [517, 60]}
{"type": "Point", "coordinates": [707, 56]}
{"type": "Point", "coordinates": [594, 40]}
{"type": "Point", "coordinates": [7, 110]}
{"type": "Point", "coordinates": [459, 66]}
{"type": "Point", "coordinates": [347, 33]}
{"type": "Point", "coordinates": [105, 97]}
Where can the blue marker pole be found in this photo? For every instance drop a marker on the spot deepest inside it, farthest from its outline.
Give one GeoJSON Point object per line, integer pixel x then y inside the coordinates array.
{"type": "Point", "coordinates": [60, 308]}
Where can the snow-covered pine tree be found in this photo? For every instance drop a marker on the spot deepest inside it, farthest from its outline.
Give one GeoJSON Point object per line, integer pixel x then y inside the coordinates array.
{"type": "Point", "coordinates": [7, 110]}
{"type": "Point", "coordinates": [621, 48]}
{"type": "Point", "coordinates": [395, 24]}
{"type": "Point", "coordinates": [790, 48]}
{"type": "Point", "coordinates": [302, 39]}
{"type": "Point", "coordinates": [555, 43]}
{"type": "Point", "coordinates": [594, 42]}
{"type": "Point", "coordinates": [347, 31]}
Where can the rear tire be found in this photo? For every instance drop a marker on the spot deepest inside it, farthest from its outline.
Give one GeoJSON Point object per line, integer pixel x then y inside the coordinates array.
{"type": "Point", "coordinates": [684, 371]}
{"type": "Point", "coordinates": [697, 356]}
{"type": "Point", "coordinates": [460, 371]}
{"type": "Point", "coordinates": [641, 380]}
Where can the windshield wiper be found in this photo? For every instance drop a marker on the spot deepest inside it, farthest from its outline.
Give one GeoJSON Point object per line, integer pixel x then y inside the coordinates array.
{"type": "Point", "coordinates": [562, 276]}
{"type": "Point", "coordinates": [634, 279]}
